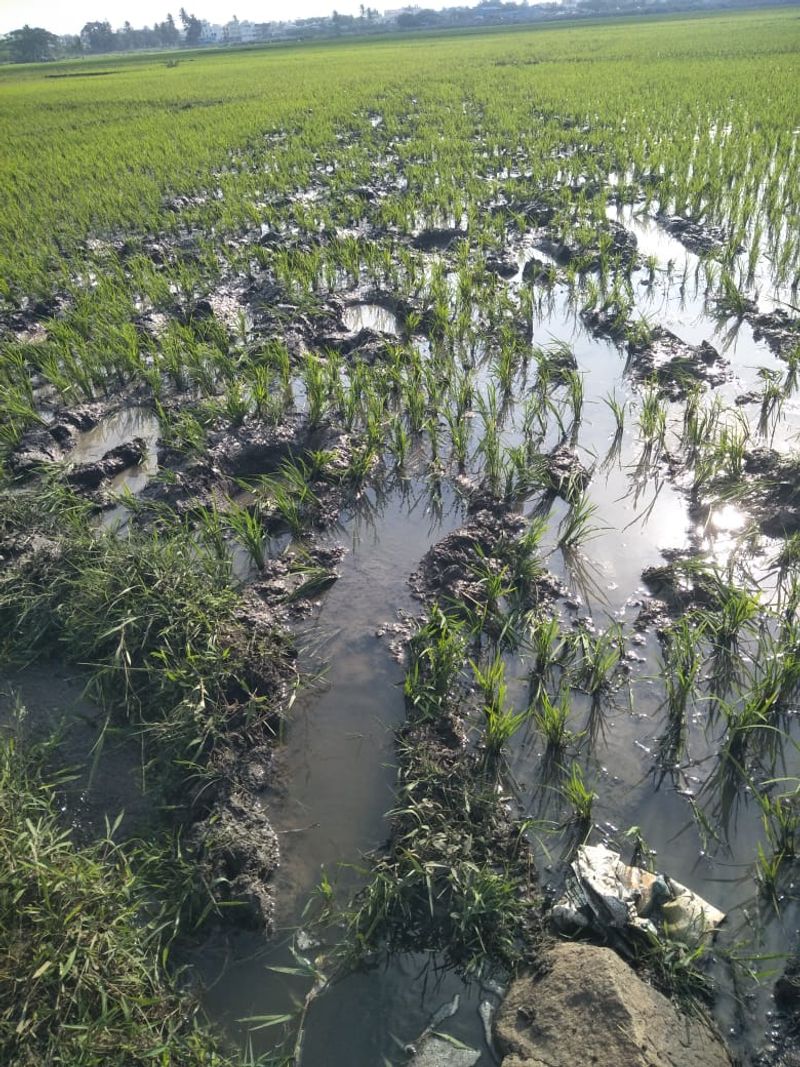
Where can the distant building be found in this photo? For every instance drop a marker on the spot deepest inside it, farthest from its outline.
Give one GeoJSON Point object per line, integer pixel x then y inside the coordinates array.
{"type": "Point", "coordinates": [211, 33]}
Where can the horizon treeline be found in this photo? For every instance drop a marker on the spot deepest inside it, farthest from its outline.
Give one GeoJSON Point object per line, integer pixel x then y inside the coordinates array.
{"type": "Point", "coordinates": [33, 44]}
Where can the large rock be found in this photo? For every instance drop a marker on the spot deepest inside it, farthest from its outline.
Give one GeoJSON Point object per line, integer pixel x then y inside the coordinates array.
{"type": "Point", "coordinates": [591, 1008]}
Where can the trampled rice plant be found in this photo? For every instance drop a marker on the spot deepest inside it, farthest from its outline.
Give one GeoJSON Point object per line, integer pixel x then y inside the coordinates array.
{"type": "Point", "coordinates": [149, 613]}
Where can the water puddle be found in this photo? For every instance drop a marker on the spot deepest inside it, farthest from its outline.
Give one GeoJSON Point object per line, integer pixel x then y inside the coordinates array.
{"type": "Point", "coordinates": [106, 777]}
{"type": "Point", "coordinates": [120, 429]}
{"type": "Point", "coordinates": [335, 770]}
{"type": "Point", "coordinates": [335, 782]}
{"type": "Point", "coordinates": [370, 317]}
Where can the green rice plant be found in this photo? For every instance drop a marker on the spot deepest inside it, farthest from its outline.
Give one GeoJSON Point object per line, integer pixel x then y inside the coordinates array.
{"type": "Point", "coordinates": [549, 648]}
{"type": "Point", "coordinates": [730, 299]}
{"type": "Point", "coordinates": [459, 438]}
{"type": "Point", "coordinates": [268, 402]}
{"type": "Point", "coordinates": [490, 449]}
{"type": "Point", "coordinates": [492, 586]}
{"type": "Point", "coordinates": [772, 400]}
{"type": "Point", "coordinates": [184, 431]}
{"type": "Point", "coordinates": [792, 360]}
{"type": "Point", "coordinates": [768, 868]}
{"type": "Point", "coordinates": [361, 465]}
{"type": "Point", "coordinates": [211, 527]}
{"type": "Point", "coordinates": [653, 419]}
{"type": "Point", "coordinates": [780, 819]}
{"type": "Point", "coordinates": [617, 409]}
{"type": "Point", "coordinates": [574, 384]}
{"type": "Point", "coordinates": [680, 671]}
{"type": "Point", "coordinates": [283, 502]}
{"type": "Point", "coordinates": [638, 334]}
{"type": "Point", "coordinates": [600, 657]}
{"type": "Point", "coordinates": [399, 442]}
{"type": "Point", "coordinates": [523, 558]}
{"type": "Point", "coordinates": [580, 799]}
{"type": "Point", "coordinates": [551, 718]}
{"type": "Point", "coordinates": [786, 563]}
{"type": "Point", "coordinates": [576, 527]}
{"type": "Point", "coordinates": [436, 657]}
{"type": "Point", "coordinates": [297, 474]}
{"type": "Point", "coordinates": [737, 616]}
{"type": "Point", "coordinates": [315, 386]}
{"type": "Point", "coordinates": [677, 970]}
{"type": "Point", "coordinates": [501, 721]}
{"type": "Point", "coordinates": [490, 679]}
{"type": "Point", "coordinates": [247, 527]}
{"type": "Point", "coordinates": [501, 725]}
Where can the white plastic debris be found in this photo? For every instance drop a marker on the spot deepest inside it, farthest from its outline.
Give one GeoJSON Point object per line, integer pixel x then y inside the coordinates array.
{"type": "Point", "coordinates": [604, 894]}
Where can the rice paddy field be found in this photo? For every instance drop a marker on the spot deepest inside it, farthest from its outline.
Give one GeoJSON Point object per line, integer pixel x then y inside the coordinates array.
{"type": "Point", "coordinates": [399, 487]}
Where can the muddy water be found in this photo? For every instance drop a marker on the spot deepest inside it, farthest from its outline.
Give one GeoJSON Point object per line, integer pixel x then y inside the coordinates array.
{"type": "Point", "coordinates": [371, 317]}
{"type": "Point", "coordinates": [336, 768]}
{"type": "Point", "coordinates": [336, 779]}
{"type": "Point", "coordinates": [119, 429]}
{"type": "Point", "coordinates": [104, 774]}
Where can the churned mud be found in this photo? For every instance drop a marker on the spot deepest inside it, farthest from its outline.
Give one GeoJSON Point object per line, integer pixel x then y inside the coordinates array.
{"type": "Point", "coordinates": [543, 492]}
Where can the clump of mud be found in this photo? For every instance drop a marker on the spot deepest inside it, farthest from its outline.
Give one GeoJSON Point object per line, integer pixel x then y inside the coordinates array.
{"type": "Point", "coordinates": [778, 328]}
{"type": "Point", "coordinates": [91, 475]}
{"type": "Point", "coordinates": [700, 238]}
{"type": "Point", "coordinates": [237, 850]}
{"type": "Point", "coordinates": [676, 366]}
{"type": "Point", "coordinates": [453, 572]}
{"type": "Point", "coordinates": [565, 251]}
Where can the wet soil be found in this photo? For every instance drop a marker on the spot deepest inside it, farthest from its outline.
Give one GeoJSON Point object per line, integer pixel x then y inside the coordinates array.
{"type": "Point", "coordinates": [284, 812]}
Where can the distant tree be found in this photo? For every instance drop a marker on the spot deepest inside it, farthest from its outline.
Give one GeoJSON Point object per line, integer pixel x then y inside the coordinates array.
{"type": "Point", "coordinates": [170, 32]}
{"type": "Point", "coordinates": [31, 44]}
{"type": "Point", "coordinates": [71, 43]}
{"type": "Point", "coordinates": [98, 37]}
{"type": "Point", "coordinates": [192, 27]}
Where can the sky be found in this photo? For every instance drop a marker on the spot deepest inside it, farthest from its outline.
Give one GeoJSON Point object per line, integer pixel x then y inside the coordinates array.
{"type": "Point", "coordinates": [68, 16]}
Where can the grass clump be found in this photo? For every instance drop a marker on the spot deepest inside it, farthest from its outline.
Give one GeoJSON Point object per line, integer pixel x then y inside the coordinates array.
{"type": "Point", "coordinates": [83, 950]}
{"type": "Point", "coordinates": [153, 618]}
{"type": "Point", "coordinates": [458, 877]}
